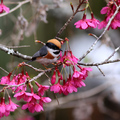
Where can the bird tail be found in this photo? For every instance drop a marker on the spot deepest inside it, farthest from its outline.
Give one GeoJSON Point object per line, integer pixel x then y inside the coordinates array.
{"type": "Point", "coordinates": [29, 61]}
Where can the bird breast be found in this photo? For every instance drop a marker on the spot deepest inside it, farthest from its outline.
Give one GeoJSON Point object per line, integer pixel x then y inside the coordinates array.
{"type": "Point", "coordinates": [46, 61]}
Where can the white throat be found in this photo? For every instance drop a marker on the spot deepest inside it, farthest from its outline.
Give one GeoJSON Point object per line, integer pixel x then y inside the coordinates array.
{"type": "Point", "coordinates": [52, 52]}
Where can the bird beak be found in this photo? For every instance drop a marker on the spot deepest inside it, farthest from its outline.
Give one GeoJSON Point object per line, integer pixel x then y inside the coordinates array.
{"type": "Point", "coordinates": [60, 49]}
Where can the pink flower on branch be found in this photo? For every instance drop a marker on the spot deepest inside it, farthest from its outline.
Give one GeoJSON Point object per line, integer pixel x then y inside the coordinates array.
{"type": "Point", "coordinates": [44, 100]}
{"type": "Point", "coordinates": [3, 8]}
{"type": "Point", "coordinates": [32, 107]}
{"type": "Point", "coordinates": [35, 106]}
{"type": "Point", "coordinates": [69, 87]}
{"type": "Point", "coordinates": [3, 108]}
{"type": "Point", "coordinates": [68, 59]}
{"type": "Point", "coordinates": [11, 106]}
{"type": "Point", "coordinates": [87, 23]}
{"type": "Point", "coordinates": [57, 88]}
{"type": "Point", "coordinates": [109, 10]}
{"type": "Point", "coordinates": [41, 88]}
{"type": "Point", "coordinates": [5, 79]}
{"type": "Point", "coordinates": [68, 84]}
{"type": "Point", "coordinates": [25, 95]}
{"type": "Point", "coordinates": [53, 79]}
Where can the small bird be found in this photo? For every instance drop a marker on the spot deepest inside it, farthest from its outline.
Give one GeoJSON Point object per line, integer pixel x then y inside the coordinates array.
{"type": "Point", "coordinates": [49, 53]}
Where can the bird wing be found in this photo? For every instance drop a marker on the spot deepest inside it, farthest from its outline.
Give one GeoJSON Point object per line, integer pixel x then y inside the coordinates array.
{"type": "Point", "coordinates": [42, 52]}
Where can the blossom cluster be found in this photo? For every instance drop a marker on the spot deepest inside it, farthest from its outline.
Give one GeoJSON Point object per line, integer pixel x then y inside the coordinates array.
{"type": "Point", "coordinates": [87, 23]}
{"type": "Point", "coordinates": [68, 82]}
{"type": "Point", "coordinates": [34, 101]}
{"type": "Point", "coordinates": [17, 82]}
{"type": "Point", "coordinates": [5, 109]}
{"type": "Point", "coordinates": [109, 10]}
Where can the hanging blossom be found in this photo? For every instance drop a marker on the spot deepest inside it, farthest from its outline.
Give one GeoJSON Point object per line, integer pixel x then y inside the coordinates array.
{"type": "Point", "coordinates": [16, 80]}
{"type": "Point", "coordinates": [75, 79]}
{"type": "Point", "coordinates": [3, 8]}
{"type": "Point", "coordinates": [34, 101]}
{"type": "Point", "coordinates": [5, 109]}
{"type": "Point", "coordinates": [87, 23]}
{"type": "Point", "coordinates": [109, 10]}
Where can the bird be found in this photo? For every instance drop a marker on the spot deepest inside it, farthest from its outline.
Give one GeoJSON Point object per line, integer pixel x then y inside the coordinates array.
{"type": "Point", "coordinates": [48, 54]}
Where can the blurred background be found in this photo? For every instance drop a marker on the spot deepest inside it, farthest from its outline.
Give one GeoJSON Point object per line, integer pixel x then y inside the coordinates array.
{"type": "Point", "coordinates": [100, 99]}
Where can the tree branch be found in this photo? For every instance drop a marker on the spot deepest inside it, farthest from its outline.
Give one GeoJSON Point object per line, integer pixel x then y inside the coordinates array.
{"type": "Point", "coordinates": [97, 64]}
{"type": "Point", "coordinates": [15, 8]}
{"type": "Point", "coordinates": [69, 20]}
{"type": "Point", "coordinates": [14, 53]}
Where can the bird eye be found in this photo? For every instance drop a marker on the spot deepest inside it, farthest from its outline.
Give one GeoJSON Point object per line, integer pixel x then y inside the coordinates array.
{"type": "Point", "coordinates": [55, 48]}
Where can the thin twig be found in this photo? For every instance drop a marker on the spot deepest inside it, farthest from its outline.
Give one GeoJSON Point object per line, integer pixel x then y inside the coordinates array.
{"type": "Point", "coordinates": [113, 53]}
{"type": "Point", "coordinates": [70, 19]}
{"type": "Point", "coordinates": [100, 70]}
{"type": "Point", "coordinates": [38, 70]}
{"type": "Point", "coordinates": [15, 8]}
{"type": "Point", "coordinates": [4, 70]}
{"type": "Point", "coordinates": [101, 63]}
{"type": "Point", "coordinates": [14, 53]}
{"type": "Point", "coordinates": [22, 46]}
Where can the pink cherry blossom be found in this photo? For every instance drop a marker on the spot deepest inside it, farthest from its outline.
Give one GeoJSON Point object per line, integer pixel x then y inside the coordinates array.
{"type": "Point", "coordinates": [104, 10]}
{"type": "Point", "coordinates": [53, 78]}
{"type": "Point", "coordinates": [56, 88]}
{"type": "Point", "coordinates": [82, 24]}
{"type": "Point", "coordinates": [3, 107]}
{"type": "Point", "coordinates": [5, 79]}
{"type": "Point", "coordinates": [68, 58]}
{"type": "Point", "coordinates": [3, 8]}
{"type": "Point", "coordinates": [79, 83]}
{"type": "Point", "coordinates": [11, 106]}
{"type": "Point", "coordinates": [45, 100]}
{"type": "Point", "coordinates": [117, 17]}
{"type": "Point", "coordinates": [59, 74]}
{"type": "Point", "coordinates": [109, 10]}
{"type": "Point", "coordinates": [93, 22]}
{"type": "Point", "coordinates": [70, 84]}
{"type": "Point", "coordinates": [41, 88]}
{"type": "Point", "coordinates": [87, 23]}
{"type": "Point", "coordinates": [25, 95]}
{"type": "Point", "coordinates": [33, 98]}
{"type": "Point", "coordinates": [102, 24]}
{"type": "Point", "coordinates": [13, 82]}
{"type": "Point", "coordinates": [21, 78]}
{"type": "Point", "coordinates": [69, 87]}
{"type": "Point", "coordinates": [32, 107]}
{"type": "Point", "coordinates": [115, 24]}
{"type": "Point", "coordinates": [35, 106]}
{"type": "Point", "coordinates": [85, 71]}
{"type": "Point", "coordinates": [76, 74]}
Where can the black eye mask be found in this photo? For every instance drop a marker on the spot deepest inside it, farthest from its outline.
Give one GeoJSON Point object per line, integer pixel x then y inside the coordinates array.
{"type": "Point", "coordinates": [53, 46]}
{"type": "Point", "coordinates": [57, 52]}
